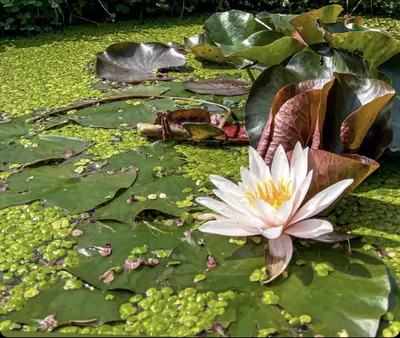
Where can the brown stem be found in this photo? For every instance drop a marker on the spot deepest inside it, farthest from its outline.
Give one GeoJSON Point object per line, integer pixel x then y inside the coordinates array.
{"type": "Point", "coordinates": [132, 96]}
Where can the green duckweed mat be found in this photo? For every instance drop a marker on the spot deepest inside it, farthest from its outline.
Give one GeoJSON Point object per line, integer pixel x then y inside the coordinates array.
{"type": "Point", "coordinates": [85, 291]}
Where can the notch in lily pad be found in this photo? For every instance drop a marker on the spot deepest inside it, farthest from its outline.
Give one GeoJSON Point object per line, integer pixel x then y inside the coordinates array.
{"type": "Point", "coordinates": [134, 62]}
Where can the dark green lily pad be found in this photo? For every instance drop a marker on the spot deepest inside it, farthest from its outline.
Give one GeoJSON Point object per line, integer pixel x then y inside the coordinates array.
{"type": "Point", "coordinates": [160, 156]}
{"type": "Point", "coordinates": [115, 114]}
{"type": "Point", "coordinates": [134, 62]}
{"type": "Point", "coordinates": [65, 189]}
{"type": "Point", "coordinates": [37, 149]}
{"type": "Point", "coordinates": [70, 305]}
{"type": "Point", "coordinates": [123, 239]}
{"type": "Point", "coordinates": [277, 21]}
{"type": "Point", "coordinates": [128, 204]}
{"type": "Point", "coordinates": [139, 89]}
{"type": "Point", "coordinates": [353, 297]}
{"type": "Point", "coordinates": [391, 68]}
{"type": "Point", "coordinates": [251, 316]}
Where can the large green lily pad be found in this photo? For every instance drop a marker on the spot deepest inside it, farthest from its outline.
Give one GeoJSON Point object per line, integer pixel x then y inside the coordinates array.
{"type": "Point", "coordinates": [72, 305]}
{"type": "Point", "coordinates": [251, 316]}
{"type": "Point", "coordinates": [114, 114]}
{"type": "Point", "coordinates": [128, 204]}
{"type": "Point", "coordinates": [123, 239]}
{"type": "Point", "coordinates": [375, 46]}
{"type": "Point", "coordinates": [65, 189]}
{"type": "Point", "coordinates": [306, 27]}
{"type": "Point", "coordinates": [41, 148]}
{"type": "Point", "coordinates": [356, 292]}
{"type": "Point", "coordinates": [265, 47]}
{"type": "Point", "coordinates": [232, 27]}
{"type": "Point", "coordinates": [159, 157]}
{"type": "Point", "coordinates": [278, 22]}
{"type": "Point", "coordinates": [351, 298]}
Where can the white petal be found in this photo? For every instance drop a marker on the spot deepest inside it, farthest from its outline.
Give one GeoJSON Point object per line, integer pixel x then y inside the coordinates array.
{"type": "Point", "coordinates": [227, 228]}
{"type": "Point", "coordinates": [272, 232]}
{"type": "Point", "coordinates": [248, 178]}
{"type": "Point", "coordinates": [266, 212]}
{"type": "Point", "coordinates": [321, 200]}
{"type": "Point", "coordinates": [283, 213]}
{"type": "Point", "coordinates": [279, 255]}
{"type": "Point", "coordinates": [280, 165]}
{"type": "Point", "coordinates": [229, 212]}
{"type": "Point", "coordinates": [258, 166]}
{"type": "Point", "coordinates": [299, 164]}
{"type": "Point", "coordinates": [300, 194]}
{"type": "Point", "coordinates": [226, 185]}
{"type": "Point", "coordinates": [309, 228]}
{"type": "Point", "coordinates": [232, 200]}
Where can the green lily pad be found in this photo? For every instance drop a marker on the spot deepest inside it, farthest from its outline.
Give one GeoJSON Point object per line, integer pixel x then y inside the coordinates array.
{"type": "Point", "coordinates": [252, 316]}
{"type": "Point", "coordinates": [139, 89]}
{"type": "Point", "coordinates": [128, 204]}
{"type": "Point", "coordinates": [202, 131]}
{"type": "Point", "coordinates": [160, 156]}
{"type": "Point", "coordinates": [375, 46]}
{"type": "Point", "coordinates": [37, 149]}
{"type": "Point", "coordinates": [232, 27]}
{"type": "Point", "coordinates": [113, 114]}
{"type": "Point", "coordinates": [235, 263]}
{"type": "Point", "coordinates": [353, 297]}
{"type": "Point", "coordinates": [123, 239]}
{"type": "Point", "coordinates": [266, 47]}
{"type": "Point", "coordinates": [306, 27]}
{"type": "Point", "coordinates": [278, 22]}
{"type": "Point", "coordinates": [73, 305]}
{"type": "Point", "coordinates": [65, 189]}
{"type": "Point", "coordinates": [204, 48]}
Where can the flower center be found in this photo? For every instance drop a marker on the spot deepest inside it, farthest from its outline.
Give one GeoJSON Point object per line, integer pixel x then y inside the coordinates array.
{"type": "Point", "coordinates": [274, 194]}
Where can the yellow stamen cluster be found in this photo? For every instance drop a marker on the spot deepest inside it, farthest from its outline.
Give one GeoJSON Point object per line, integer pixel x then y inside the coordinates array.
{"type": "Point", "coordinates": [274, 195]}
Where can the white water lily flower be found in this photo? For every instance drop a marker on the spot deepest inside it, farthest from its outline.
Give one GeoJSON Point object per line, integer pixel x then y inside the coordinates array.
{"type": "Point", "coordinates": [268, 202]}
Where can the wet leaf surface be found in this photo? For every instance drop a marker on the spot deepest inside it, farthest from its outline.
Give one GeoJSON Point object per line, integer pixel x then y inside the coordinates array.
{"type": "Point", "coordinates": [38, 149]}
{"type": "Point", "coordinates": [159, 157]}
{"type": "Point", "coordinates": [204, 48]}
{"type": "Point", "coordinates": [362, 273]}
{"type": "Point", "coordinates": [134, 63]}
{"type": "Point", "coordinates": [70, 305]}
{"type": "Point", "coordinates": [201, 131]}
{"type": "Point", "coordinates": [305, 26]}
{"type": "Point", "coordinates": [65, 189]}
{"type": "Point", "coordinates": [115, 114]}
{"type": "Point", "coordinates": [305, 65]}
{"type": "Point", "coordinates": [219, 87]}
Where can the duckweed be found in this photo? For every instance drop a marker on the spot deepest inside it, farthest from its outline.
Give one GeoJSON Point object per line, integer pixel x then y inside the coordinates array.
{"type": "Point", "coordinates": [33, 239]}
